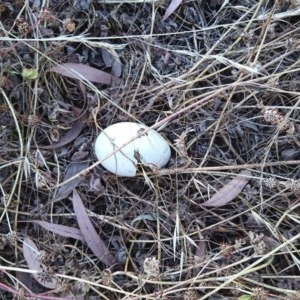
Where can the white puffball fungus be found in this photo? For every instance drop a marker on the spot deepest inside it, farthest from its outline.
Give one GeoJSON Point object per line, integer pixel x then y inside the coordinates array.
{"type": "Point", "coordinates": [149, 148]}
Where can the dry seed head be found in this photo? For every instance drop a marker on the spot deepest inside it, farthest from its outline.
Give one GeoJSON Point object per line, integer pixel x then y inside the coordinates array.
{"type": "Point", "coordinates": [226, 250]}
{"type": "Point", "coordinates": [270, 182]}
{"type": "Point", "coordinates": [151, 266]}
{"type": "Point", "coordinates": [284, 124]}
{"type": "Point", "coordinates": [46, 15]}
{"type": "Point", "coordinates": [12, 237]}
{"type": "Point", "coordinates": [190, 295]}
{"type": "Point", "coordinates": [273, 116]}
{"type": "Point", "coordinates": [107, 277]}
{"type": "Point", "coordinates": [23, 26]}
{"type": "Point", "coordinates": [259, 293]}
{"type": "Point", "coordinates": [238, 244]}
{"type": "Point", "coordinates": [291, 128]}
{"type": "Point", "coordinates": [294, 186]}
{"type": "Point", "coordinates": [258, 243]}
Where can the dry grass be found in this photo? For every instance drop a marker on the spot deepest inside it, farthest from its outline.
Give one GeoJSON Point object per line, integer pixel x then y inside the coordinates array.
{"type": "Point", "coordinates": [220, 80]}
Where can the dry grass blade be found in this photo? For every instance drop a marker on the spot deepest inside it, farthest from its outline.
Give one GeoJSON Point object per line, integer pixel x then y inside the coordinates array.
{"type": "Point", "coordinates": [80, 71]}
{"type": "Point", "coordinates": [62, 230]}
{"type": "Point", "coordinates": [171, 8]}
{"type": "Point", "coordinates": [72, 169]}
{"type": "Point", "coordinates": [90, 235]}
{"type": "Point", "coordinates": [31, 255]}
{"type": "Point", "coordinates": [229, 191]}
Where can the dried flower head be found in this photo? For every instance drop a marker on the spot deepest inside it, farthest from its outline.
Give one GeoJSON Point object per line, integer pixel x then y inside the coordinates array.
{"type": "Point", "coordinates": [294, 186]}
{"type": "Point", "coordinates": [273, 116]}
{"type": "Point", "coordinates": [226, 250]}
{"type": "Point", "coordinates": [23, 26]}
{"type": "Point", "coordinates": [12, 237]}
{"type": "Point", "coordinates": [270, 182]}
{"type": "Point", "coordinates": [151, 267]}
{"type": "Point", "coordinates": [258, 243]}
{"type": "Point", "coordinates": [259, 294]}
{"type": "Point", "coordinates": [47, 16]}
{"type": "Point", "coordinates": [190, 294]}
{"type": "Point", "coordinates": [107, 277]}
{"type": "Point", "coordinates": [238, 244]}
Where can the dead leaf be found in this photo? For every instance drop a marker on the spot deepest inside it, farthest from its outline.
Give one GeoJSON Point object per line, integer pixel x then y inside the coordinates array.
{"type": "Point", "coordinates": [107, 57]}
{"type": "Point", "coordinates": [201, 250]}
{"type": "Point", "coordinates": [117, 68]}
{"type": "Point", "coordinates": [83, 90]}
{"type": "Point", "coordinates": [31, 255]}
{"type": "Point", "coordinates": [229, 191]}
{"type": "Point", "coordinates": [62, 230]}
{"type": "Point", "coordinates": [72, 169]}
{"type": "Point", "coordinates": [91, 237]}
{"type": "Point", "coordinates": [69, 136]}
{"type": "Point", "coordinates": [26, 279]}
{"type": "Point", "coordinates": [199, 256]}
{"type": "Point", "coordinates": [171, 8]}
{"type": "Point", "coordinates": [111, 61]}
{"type": "Point", "coordinates": [81, 71]}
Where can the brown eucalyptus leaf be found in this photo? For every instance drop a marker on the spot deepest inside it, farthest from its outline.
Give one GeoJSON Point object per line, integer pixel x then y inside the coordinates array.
{"type": "Point", "coordinates": [117, 68]}
{"type": "Point", "coordinates": [111, 61]}
{"type": "Point", "coordinates": [72, 169]}
{"type": "Point", "coordinates": [69, 136]}
{"type": "Point", "coordinates": [31, 255]}
{"type": "Point", "coordinates": [199, 256]}
{"type": "Point", "coordinates": [31, 252]}
{"type": "Point", "coordinates": [201, 250]}
{"type": "Point", "coordinates": [107, 57]}
{"type": "Point", "coordinates": [26, 279]}
{"type": "Point", "coordinates": [62, 230]}
{"type": "Point", "coordinates": [229, 191]}
{"type": "Point", "coordinates": [92, 238]}
{"type": "Point", "coordinates": [171, 8]}
{"type": "Point", "coordinates": [79, 71]}
{"type": "Point", "coordinates": [83, 90]}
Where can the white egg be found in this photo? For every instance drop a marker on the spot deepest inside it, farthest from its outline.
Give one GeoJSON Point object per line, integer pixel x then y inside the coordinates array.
{"type": "Point", "coordinates": [150, 149]}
